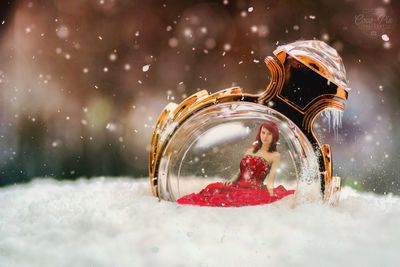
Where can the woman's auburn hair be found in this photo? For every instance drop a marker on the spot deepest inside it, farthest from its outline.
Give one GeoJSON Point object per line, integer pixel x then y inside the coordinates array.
{"type": "Point", "coordinates": [273, 129]}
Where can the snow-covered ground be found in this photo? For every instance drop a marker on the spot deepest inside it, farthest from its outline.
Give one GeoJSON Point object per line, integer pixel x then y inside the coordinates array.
{"type": "Point", "coordinates": [116, 222]}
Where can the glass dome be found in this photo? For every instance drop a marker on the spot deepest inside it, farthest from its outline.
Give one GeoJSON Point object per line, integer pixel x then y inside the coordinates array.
{"type": "Point", "coordinates": [209, 146]}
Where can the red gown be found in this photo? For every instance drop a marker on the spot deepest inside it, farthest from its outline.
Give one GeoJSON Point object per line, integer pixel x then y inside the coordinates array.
{"type": "Point", "coordinates": [248, 190]}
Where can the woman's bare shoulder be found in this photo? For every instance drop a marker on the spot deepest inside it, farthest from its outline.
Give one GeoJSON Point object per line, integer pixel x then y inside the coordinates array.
{"type": "Point", "coordinates": [276, 155]}
{"type": "Point", "coordinates": [271, 156]}
{"type": "Point", "coordinates": [249, 151]}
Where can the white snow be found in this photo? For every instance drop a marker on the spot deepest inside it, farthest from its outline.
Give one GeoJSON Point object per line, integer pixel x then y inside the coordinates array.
{"type": "Point", "coordinates": [116, 222]}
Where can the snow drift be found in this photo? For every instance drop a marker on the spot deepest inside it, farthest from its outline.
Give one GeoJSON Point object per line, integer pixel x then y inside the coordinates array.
{"type": "Point", "coordinates": [116, 222]}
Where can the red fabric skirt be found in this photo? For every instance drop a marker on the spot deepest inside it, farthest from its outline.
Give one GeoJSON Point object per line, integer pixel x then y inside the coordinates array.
{"type": "Point", "coordinates": [235, 195]}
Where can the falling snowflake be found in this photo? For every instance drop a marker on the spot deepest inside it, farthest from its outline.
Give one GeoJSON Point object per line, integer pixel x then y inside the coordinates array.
{"type": "Point", "coordinates": [145, 68]}
{"type": "Point", "coordinates": [62, 32]}
{"type": "Point", "coordinates": [173, 42]}
{"type": "Point", "coordinates": [387, 45]}
{"type": "Point", "coordinates": [227, 47]}
{"type": "Point", "coordinates": [111, 126]}
{"type": "Point", "coordinates": [385, 37]}
{"type": "Point", "coordinates": [112, 57]}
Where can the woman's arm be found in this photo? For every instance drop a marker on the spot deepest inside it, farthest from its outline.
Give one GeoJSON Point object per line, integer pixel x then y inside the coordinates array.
{"type": "Point", "coordinates": [274, 166]}
{"type": "Point", "coordinates": [233, 179]}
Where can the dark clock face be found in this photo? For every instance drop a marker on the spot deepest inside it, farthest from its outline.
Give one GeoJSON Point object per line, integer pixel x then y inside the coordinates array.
{"type": "Point", "coordinates": [210, 147]}
{"type": "Point", "coordinates": [302, 86]}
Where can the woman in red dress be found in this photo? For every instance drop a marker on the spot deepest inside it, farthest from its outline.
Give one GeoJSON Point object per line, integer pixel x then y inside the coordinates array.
{"type": "Point", "coordinates": [247, 188]}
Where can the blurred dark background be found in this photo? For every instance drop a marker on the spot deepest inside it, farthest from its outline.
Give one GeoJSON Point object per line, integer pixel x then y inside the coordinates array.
{"type": "Point", "coordinates": [83, 81]}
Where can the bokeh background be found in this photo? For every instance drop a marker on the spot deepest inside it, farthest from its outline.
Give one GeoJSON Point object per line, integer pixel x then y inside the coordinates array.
{"type": "Point", "coordinates": [83, 81]}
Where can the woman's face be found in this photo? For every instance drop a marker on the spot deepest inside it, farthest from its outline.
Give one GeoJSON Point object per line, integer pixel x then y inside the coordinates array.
{"type": "Point", "coordinates": [266, 136]}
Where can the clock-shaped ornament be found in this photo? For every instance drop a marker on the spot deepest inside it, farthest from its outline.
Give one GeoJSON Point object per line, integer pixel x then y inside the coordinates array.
{"type": "Point", "coordinates": [231, 148]}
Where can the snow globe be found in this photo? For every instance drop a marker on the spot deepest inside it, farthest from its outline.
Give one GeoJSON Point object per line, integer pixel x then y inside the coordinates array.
{"type": "Point", "coordinates": [199, 146]}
